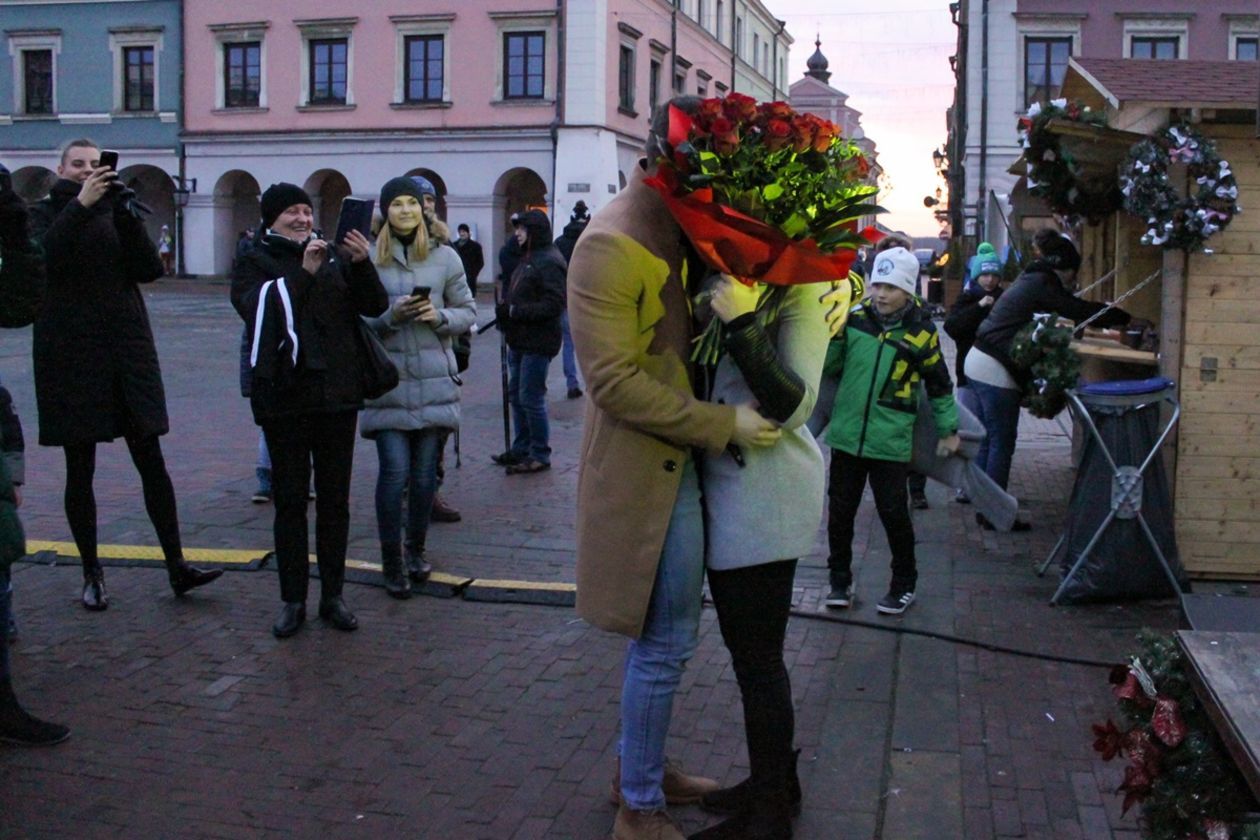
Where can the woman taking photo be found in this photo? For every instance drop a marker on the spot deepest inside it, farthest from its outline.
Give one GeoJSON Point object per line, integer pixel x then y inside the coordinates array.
{"type": "Point", "coordinates": [431, 304]}
{"type": "Point", "coordinates": [302, 301]}
{"type": "Point", "coordinates": [762, 509]}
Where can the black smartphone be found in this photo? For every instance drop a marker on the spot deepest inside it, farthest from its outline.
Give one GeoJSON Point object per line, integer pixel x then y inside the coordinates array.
{"type": "Point", "coordinates": [109, 158]}
{"type": "Point", "coordinates": [356, 214]}
{"type": "Point", "coordinates": [421, 292]}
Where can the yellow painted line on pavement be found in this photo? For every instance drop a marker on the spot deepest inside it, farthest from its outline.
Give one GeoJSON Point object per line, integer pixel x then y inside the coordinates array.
{"type": "Point", "coordinates": [233, 556]}
{"type": "Point", "coordinates": [540, 586]}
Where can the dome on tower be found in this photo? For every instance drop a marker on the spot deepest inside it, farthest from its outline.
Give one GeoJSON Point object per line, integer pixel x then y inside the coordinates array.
{"type": "Point", "coordinates": [817, 63]}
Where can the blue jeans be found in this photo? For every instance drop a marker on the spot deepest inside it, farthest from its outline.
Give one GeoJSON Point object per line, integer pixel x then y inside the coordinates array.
{"type": "Point", "coordinates": [566, 354]}
{"type": "Point", "coordinates": [656, 660]}
{"type": "Point", "coordinates": [407, 458]}
{"type": "Point", "coordinates": [998, 410]}
{"type": "Point", "coordinates": [527, 392]}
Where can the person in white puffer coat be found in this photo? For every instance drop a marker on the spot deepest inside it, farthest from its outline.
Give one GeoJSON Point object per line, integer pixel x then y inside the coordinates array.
{"type": "Point", "coordinates": [410, 423]}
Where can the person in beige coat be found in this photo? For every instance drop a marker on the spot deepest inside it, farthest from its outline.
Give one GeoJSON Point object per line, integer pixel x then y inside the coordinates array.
{"type": "Point", "coordinates": [640, 531]}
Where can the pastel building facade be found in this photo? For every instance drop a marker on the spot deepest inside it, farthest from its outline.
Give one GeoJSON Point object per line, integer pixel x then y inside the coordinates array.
{"type": "Point", "coordinates": [109, 71]}
{"type": "Point", "coordinates": [1014, 52]}
{"type": "Point", "coordinates": [502, 104]}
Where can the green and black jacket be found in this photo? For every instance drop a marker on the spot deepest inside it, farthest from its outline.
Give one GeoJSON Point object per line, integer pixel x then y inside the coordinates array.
{"type": "Point", "coordinates": [879, 368]}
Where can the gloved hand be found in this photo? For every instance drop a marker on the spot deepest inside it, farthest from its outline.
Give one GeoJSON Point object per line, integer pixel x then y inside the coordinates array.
{"type": "Point", "coordinates": [947, 446]}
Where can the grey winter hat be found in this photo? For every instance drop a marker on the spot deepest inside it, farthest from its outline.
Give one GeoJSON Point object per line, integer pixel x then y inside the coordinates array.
{"type": "Point", "coordinates": [896, 267]}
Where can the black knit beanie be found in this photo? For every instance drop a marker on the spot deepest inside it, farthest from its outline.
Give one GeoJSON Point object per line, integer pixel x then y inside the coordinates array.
{"type": "Point", "coordinates": [280, 197]}
{"type": "Point", "coordinates": [395, 187]}
{"type": "Point", "coordinates": [1059, 253]}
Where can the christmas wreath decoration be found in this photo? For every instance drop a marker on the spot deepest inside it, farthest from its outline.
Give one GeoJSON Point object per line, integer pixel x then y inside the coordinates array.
{"type": "Point", "coordinates": [1178, 768]}
{"type": "Point", "coordinates": [1043, 350]}
{"type": "Point", "coordinates": [1172, 221]}
{"type": "Point", "coordinates": [1054, 174]}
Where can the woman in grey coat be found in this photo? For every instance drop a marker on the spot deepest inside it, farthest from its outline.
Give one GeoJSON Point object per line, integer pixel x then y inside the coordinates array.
{"type": "Point", "coordinates": [763, 506]}
{"type": "Point", "coordinates": [430, 304]}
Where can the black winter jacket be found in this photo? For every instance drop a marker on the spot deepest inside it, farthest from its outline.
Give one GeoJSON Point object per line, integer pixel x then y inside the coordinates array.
{"type": "Point", "coordinates": [962, 322]}
{"type": "Point", "coordinates": [1038, 289]}
{"type": "Point", "coordinates": [566, 241]}
{"type": "Point", "coordinates": [530, 313]}
{"type": "Point", "coordinates": [326, 308]}
{"type": "Point", "coordinates": [96, 368]}
{"type": "Point", "coordinates": [473, 258]}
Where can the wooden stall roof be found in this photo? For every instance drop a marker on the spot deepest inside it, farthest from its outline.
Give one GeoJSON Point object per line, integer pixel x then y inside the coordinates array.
{"type": "Point", "coordinates": [1163, 84]}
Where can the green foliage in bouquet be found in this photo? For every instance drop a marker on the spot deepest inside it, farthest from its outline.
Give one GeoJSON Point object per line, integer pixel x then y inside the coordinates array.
{"type": "Point", "coordinates": [1178, 768]}
{"type": "Point", "coordinates": [1043, 349]}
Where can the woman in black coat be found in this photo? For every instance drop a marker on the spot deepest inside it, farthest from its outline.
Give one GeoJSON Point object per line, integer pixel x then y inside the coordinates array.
{"type": "Point", "coordinates": [96, 368]}
{"type": "Point", "coordinates": [301, 301]}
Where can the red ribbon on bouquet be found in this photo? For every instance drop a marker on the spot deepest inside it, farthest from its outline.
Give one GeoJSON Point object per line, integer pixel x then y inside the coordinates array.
{"type": "Point", "coordinates": [749, 249]}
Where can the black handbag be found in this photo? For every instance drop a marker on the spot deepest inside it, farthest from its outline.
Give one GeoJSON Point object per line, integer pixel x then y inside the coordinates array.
{"type": "Point", "coordinates": [379, 375]}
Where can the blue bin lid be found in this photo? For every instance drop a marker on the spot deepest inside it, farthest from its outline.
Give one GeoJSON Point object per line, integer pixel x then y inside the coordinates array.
{"type": "Point", "coordinates": [1127, 387]}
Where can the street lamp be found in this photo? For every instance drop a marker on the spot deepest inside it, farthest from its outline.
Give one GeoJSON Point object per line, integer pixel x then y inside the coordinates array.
{"type": "Point", "coordinates": [938, 158]}
{"type": "Point", "coordinates": [184, 187]}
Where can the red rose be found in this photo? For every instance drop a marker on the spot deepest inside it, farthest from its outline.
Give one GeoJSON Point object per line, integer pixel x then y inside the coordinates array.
{"type": "Point", "coordinates": [777, 134]}
{"type": "Point", "coordinates": [709, 110]}
{"type": "Point", "coordinates": [803, 129]}
{"type": "Point", "coordinates": [776, 110]}
{"type": "Point", "coordinates": [1108, 740]}
{"type": "Point", "coordinates": [725, 136]}
{"type": "Point", "coordinates": [739, 108]}
{"type": "Point", "coordinates": [825, 135]}
{"type": "Point", "coordinates": [863, 166]}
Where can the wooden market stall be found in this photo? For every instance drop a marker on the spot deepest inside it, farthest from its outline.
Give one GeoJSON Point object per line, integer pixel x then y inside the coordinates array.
{"type": "Point", "coordinates": [1205, 306]}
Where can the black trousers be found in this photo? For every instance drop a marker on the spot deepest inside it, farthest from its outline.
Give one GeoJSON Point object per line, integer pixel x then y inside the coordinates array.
{"type": "Point", "coordinates": [752, 608]}
{"type": "Point", "coordinates": [325, 442]}
{"type": "Point", "coordinates": [159, 496]}
{"type": "Point", "coordinates": [849, 475]}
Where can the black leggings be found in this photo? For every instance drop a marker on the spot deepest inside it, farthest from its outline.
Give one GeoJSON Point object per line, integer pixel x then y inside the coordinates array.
{"type": "Point", "coordinates": [752, 608]}
{"type": "Point", "coordinates": [159, 496]}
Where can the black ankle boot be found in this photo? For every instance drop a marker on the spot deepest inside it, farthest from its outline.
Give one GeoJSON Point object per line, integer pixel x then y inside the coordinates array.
{"type": "Point", "coordinates": [184, 577]}
{"type": "Point", "coordinates": [290, 621]}
{"type": "Point", "coordinates": [17, 726]}
{"type": "Point", "coordinates": [768, 817]}
{"type": "Point", "coordinates": [335, 612]}
{"type": "Point", "coordinates": [417, 567]}
{"type": "Point", "coordinates": [737, 799]}
{"type": "Point", "coordinates": [94, 597]}
{"type": "Point", "coordinates": [396, 582]}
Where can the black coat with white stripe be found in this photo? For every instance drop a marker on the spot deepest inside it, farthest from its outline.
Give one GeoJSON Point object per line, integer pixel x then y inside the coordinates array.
{"type": "Point", "coordinates": [320, 311]}
{"type": "Point", "coordinates": [96, 367]}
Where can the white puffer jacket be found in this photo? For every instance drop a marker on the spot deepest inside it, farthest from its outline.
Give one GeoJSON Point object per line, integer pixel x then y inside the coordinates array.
{"type": "Point", "coordinates": [428, 389]}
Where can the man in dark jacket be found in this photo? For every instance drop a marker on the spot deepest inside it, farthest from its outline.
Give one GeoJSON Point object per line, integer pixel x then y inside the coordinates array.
{"type": "Point", "coordinates": [96, 367]}
{"type": "Point", "coordinates": [529, 316]}
{"type": "Point", "coordinates": [564, 244]}
{"type": "Point", "coordinates": [470, 254]}
{"type": "Point", "coordinates": [509, 255]}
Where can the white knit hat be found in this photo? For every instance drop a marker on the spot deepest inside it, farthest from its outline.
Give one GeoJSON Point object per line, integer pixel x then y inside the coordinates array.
{"type": "Point", "coordinates": [896, 267]}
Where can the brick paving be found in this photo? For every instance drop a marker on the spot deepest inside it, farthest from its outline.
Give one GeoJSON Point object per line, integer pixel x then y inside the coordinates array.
{"type": "Point", "coordinates": [448, 718]}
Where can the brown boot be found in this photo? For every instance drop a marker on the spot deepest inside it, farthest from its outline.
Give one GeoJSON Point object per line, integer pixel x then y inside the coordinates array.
{"type": "Point", "coordinates": [442, 512]}
{"type": "Point", "coordinates": [679, 787]}
{"type": "Point", "coordinates": [645, 825]}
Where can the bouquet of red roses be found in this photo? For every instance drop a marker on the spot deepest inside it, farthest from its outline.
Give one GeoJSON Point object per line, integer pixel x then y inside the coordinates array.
{"type": "Point", "coordinates": [765, 194]}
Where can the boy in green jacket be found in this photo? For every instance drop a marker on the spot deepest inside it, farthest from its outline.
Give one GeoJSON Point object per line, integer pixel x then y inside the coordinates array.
{"type": "Point", "coordinates": [888, 347]}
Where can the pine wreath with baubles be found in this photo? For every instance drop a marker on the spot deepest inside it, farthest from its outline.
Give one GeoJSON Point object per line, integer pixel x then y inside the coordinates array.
{"type": "Point", "coordinates": [1178, 771]}
{"type": "Point", "coordinates": [1043, 349]}
{"type": "Point", "coordinates": [1054, 174]}
{"type": "Point", "coordinates": [1174, 222]}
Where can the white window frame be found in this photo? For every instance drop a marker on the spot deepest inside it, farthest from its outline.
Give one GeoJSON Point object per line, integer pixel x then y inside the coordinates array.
{"type": "Point", "coordinates": [1046, 27]}
{"type": "Point", "coordinates": [1158, 27]}
{"type": "Point", "coordinates": [33, 41]}
{"type": "Point", "coordinates": [508, 22]}
{"type": "Point", "coordinates": [407, 26]}
{"type": "Point", "coordinates": [317, 30]}
{"type": "Point", "coordinates": [239, 33]}
{"type": "Point", "coordinates": [119, 40]}
{"type": "Point", "coordinates": [1240, 27]}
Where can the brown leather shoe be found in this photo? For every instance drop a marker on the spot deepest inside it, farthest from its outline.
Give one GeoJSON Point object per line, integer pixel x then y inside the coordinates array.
{"type": "Point", "coordinates": [645, 825]}
{"type": "Point", "coordinates": [442, 512]}
{"type": "Point", "coordinates": [679, 787]}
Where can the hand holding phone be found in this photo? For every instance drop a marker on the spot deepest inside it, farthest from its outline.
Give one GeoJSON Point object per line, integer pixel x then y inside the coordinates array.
{"type": "Point", "coordinates": [425, 310]}
{"type": "Point", "coordinates": [108, 160]}
{"type": "Point", "coordinates": [356, 214]}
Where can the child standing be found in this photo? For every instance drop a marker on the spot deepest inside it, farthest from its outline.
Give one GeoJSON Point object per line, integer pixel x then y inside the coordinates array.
{"type": "Point", "coordinates": [888, 347]}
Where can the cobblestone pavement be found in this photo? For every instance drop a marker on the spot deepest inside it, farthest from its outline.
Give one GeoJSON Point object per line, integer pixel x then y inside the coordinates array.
{"type": "Point", "coordinates": [449, 718]}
